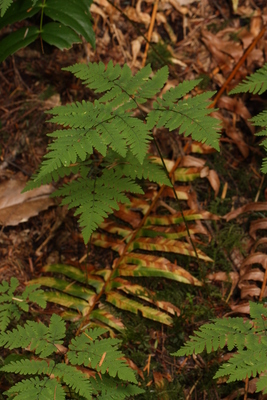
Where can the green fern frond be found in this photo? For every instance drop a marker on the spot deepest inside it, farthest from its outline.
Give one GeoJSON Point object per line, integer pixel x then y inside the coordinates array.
{"type": "Point", "coordinates": [102, 355]}
{"type": "Point", "coordinates": [89, 349]}
{"type": "Point", "coordinates": [30, 367]}
{"type": "Point", "coordinates": [75, 379]}
{"type": "Point", "coordinates": [245, 363]}
{"type": "Point", "coordinates": [249, 337]}
{"type": "Point", "coordinates": [261, 120]}
{"type": "Point", "coordinates": [109, 127]}
{"type": "Point", "coordinates": [191, 115]}
{"type": "Point", "coordinates": [106, 388]}
{"type": "Point", "coordinates": [4, 4]}
{"type": "Point", "coordinates": [50, 171]}
{"type": "Point", "coordinates": [131, 167]}
{"type": "Point", "coordinates": [118, 80]}
{"type": "Point", "coordinates": [256, 83]}
{"type": "Point", "coordinates": [11, 304]}
{"type": "Point", "coordinates": [262, 383]}
{"type": "Point", "coordinates": [96, 199]}
{"type": "Point", "coordinates": [230, 332]}
{"type": "Point", "coordinates": [35, 388]}
{"type": "Point", "coordinates": [36, 336]}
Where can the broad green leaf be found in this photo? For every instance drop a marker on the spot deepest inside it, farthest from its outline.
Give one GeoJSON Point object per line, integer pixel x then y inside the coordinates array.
{"type": "Point", "coordinates": [74, 14]}
{"type": "Point", "coordinates": [59, 35]}
{"type": "Point", "coordinates": [17, 40]}
{"type": "Point", "coordinates": [18, 11]}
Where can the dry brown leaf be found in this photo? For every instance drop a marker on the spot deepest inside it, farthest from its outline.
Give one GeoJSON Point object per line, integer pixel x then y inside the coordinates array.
{"type": "Point", "coordinates": [51, 102]}
{"type": "Point", "coordinates": [190, 161]}
{"type": "Point", "coordinates": [18, 213]}
{"type": "Point", "coordinates": [237, 106]}
{"type": "Point", "coordinates": [237, 138]}
{"type": "Point", "coordinates": [178, 5]}
{"type": "Point", "coordinates": [260, 206]}
{"type": "Point", "coordinates": [249, 291]}
{"type": "Point", "coordinates": [10, 192]}
{"type": "Point", "coordinates": [17, 207]}
{"type": "Point", "coordinates": [254, 274]}
{"type": "Point", "coordinates": [142, 17]}
{"type": "Point", "coordinates": [214, 181]}
{"type": "Point", "coordinates": [255, 225]}
{"type": "Point", "coordinates": [255, 258]}
{"type": "Point", "coordinates": [241, 308]}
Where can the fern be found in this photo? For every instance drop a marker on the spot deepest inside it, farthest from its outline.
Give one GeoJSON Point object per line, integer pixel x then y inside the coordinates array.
{"type": "Point", "coordinates": [106, 143]}
{"type": "Point", "coordinates": [4, 4]}
{"type": "Point", "coordinates": [11, 305]}
{"type": "Point", "coordinates": [248, 337]}
{"type": "Point", "coordinates": [56, 380]}
{"type": "Point", "coordinates": [257, 84]}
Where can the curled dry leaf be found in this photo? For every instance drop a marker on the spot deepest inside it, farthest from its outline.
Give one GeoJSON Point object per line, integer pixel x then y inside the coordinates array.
{"type": "Point", "coordinates": [17, 207]}
{"type": "Point", "coordinates": [260, 206]}
{"type": "Point", "coordinates": [237, 106]}
{"type": "Point", "coordinates": [237, 137]}
{"type": "Point", "coordinates": [255, 225]}
{"type": "Point", "coordinates": [221, 276]}
{"type": "Point", "coordinates": [242, 308]}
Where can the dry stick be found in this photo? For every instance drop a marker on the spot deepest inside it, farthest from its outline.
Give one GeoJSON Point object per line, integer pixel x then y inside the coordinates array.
{"type": "Point", "coordinates": [152, 22]}
{"type": "Point", "coordinates": [238, 65]}
{"type": "Point", "coordinates": [176, 197]}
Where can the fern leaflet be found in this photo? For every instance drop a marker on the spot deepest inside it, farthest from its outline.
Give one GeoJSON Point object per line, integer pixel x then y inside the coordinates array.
{"type": "Point", "coordinates": [35, 388]}
{"type": "Point", "coordinates": [36, 336]}
{"type": "Point", "coordinates": [256, 83]}
{"type": "Point", "coordinates": [96, 199]}
{"type": "Point", "coordinates": [11, 304]}
{"type": "Point", "coordinates": [191, 115]}
{"type": "Point", "coordinates": [91, 353]}
{"type": "Point", "coordinates": [88, 350]}
{"type": "Point", "coordinates": [4, 4]}
{"type": "Point", "coordinates": [249, 337]}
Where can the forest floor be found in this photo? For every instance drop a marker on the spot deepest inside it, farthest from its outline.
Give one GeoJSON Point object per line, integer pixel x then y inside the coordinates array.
{"type": "Point", "coordinates": [204, 39]}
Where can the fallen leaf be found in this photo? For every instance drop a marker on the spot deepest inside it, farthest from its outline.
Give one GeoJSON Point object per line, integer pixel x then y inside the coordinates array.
{"type": "Point", "coordinates": [17, 207]}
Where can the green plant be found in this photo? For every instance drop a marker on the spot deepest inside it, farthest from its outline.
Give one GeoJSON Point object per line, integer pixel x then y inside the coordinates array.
{"type": "Point", "coordinates": [70, 20]}
{"type": "Point", "coordinates": [90, 366]}
{"type": "Point", "coordinates": [12, 305]}
{"type": "Point", "coordinates": [248, 337]}
{"type": "Point", "coordinates": [107, 140]}
{"type": "Point", "coordinates": [257, 84]}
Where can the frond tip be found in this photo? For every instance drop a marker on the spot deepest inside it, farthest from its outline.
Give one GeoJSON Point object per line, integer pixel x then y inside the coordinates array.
{"type": "Point", "coordinates": [248, 337]}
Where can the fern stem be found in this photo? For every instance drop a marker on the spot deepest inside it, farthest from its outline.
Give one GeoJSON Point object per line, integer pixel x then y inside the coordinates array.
{"type": "Point", "coordinates": [41, 24]}
{"type": "Point", "coordinates": [176, 197]}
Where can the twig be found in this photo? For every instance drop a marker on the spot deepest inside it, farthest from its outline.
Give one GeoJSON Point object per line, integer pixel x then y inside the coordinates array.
{"type": "Point", "coordinates": [238, 65]}
{"type": "Point", "coordinates": [152, 22]}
